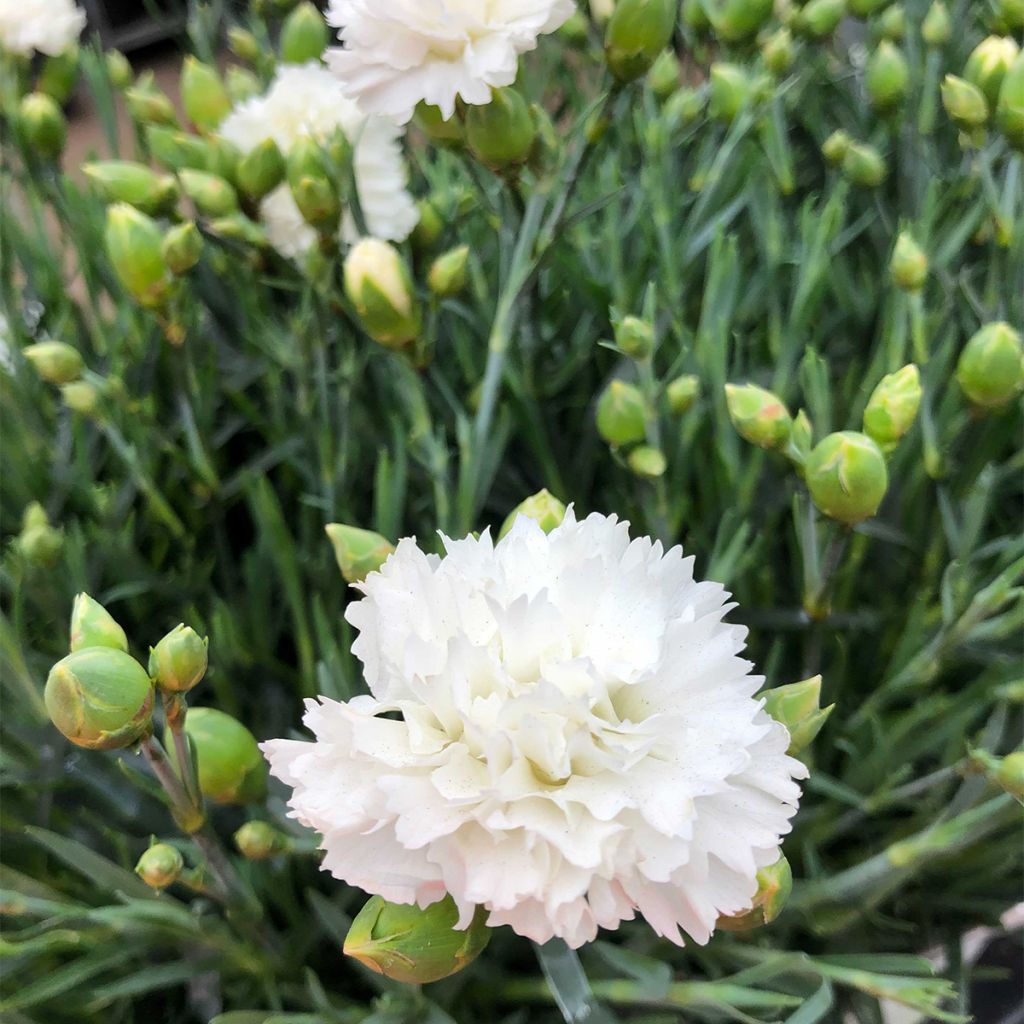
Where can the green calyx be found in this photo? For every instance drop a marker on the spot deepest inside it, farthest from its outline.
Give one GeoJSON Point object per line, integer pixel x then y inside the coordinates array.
{"type": "Point", "coordinates": [846, 476]}
{"type": "Point", "coordinates": [543, 508]}
{"type": "Point", "coordinates": [358, 552]}
{"type": "Point", "coordinates": [230, 766]}
{"type": "Point", "coordinates": [179, 660]}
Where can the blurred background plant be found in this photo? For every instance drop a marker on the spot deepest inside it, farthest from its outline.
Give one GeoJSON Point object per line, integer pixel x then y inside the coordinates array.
{"type": "Point", "coordinates": [753, 280]}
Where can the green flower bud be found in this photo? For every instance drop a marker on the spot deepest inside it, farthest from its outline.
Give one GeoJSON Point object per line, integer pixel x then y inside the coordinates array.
{"type": "Point", "coordinates": [798, 707]}
{"type": "Point", "coordinates": [909, 264]}
{"type": "Point", "coordinates": [736, 20]}
{"type": "Point", "coordinates": [160, 866]}
{"type": "Point", "coordinates": [230, 766]}
{"type": "Point", "coordinates": [1010, 108]}
{"type": "Point", "coordinates": [683, 107]}
{"type": "Point", "coordinates": [988, 64]}
{"type": "Point", "coordinates": [575, 29]}
{"type": "Point", "coordinates": [965, 103]}
{"type": "Point", "coordinates": [501, 133]}
{"type": "Point", "coordinates": [239, 228]}
{"type": "Point", "coordinates": [176, 149]}
{"type": "Point", "coordinates": [148, 105]}
{"type": "Point", "coordinates": [39, 543]}
{"type": "Point", "coordinates": [182, 247]}
{"type": "Point", "coordinates": [820, 18]}
{"type": "Point", "coordinates": [866, 8]}
{"type": "Point", "coordinates": [318, 202]}
{"type": "Point", "coordinates": [846, 476]}
{"type": "Point", "coordinates": [1010, 13]}
{"type": "Point", "coordinates": [681, 393]}
{"type": "Point", "coordinates": [647, 461]}
{"type": "Point", "coordinates": [436, 128]}
{"type": "Point", "coordinates": [203, 95]}
{"type": "Point", "coordinates": [100, 698]}
{"type": "Point", "coordinates": [93, 626]}
{"type": "Point", "coordinates": [801, 440]}
{"type": "Point", "coordinates": [892, 24]}
{"type": "Point", "coordinates": [80, 396]}
{"type": "Point", "coordinates": [990, 370]}
{"type": "Point", "coordinates": [893, 406]}
{"type": "Point", "coordinates": [731, 88]}
{"type": "Point", "coordinates": [124, 181]}
{"type": "Point", "coordinates": [119, 70]}
{"type": "Point", "coordinates": [59, 74]}
{"type": "Point", "coordinates": [835, 147]}
{"type": "Point", "coordinates": [212, 195]}
{"type": "Point", "coordinates": [358, 552]}
{"type": "Point", "coordinates": [779, 52]}
{"type": "Point", "coordinates": [135, 247]}
{"type": "Point", "coordinates": [663, 78]}
{"type": "Point", "coordinates": [447, 274]}
{"type": "Point", "coordinates": [774, 885]}
{"type": "Point", "coordinates": [222, 158]}
{"type": "Point", "coordinates": [304, 35]}
{"type": "Point", "coordinates": [412, 945]}
{"type": "Point", "coordinates": [864, 165]}
{"type": "Point", "coordinates": [241, 84]}
{"type": "Point", "coordinates": [256, 840]}
{"type": "Point", "coordinates": [937, 29]}
{"type": "Point", "coordinates": [261, 170]}
{"type": "Point", "coordinates": [635, 337]}
{"type": "Point", "coordinates": [758, 416]}
{"type": "Point", "coordinates": [694, 16]}
{"type": "Point", "coordinates": [244, 45]}
{"type": "Point", "coordinates": [888, 77]}
{"type": "Point", "coordinates": [429, 227]}
{"type": "Point", "coordinates": [56, 362]}
{"type": "Point", "coordinates": [1010, 774]}
{"type": "Point", "coordinates": [43, 126]}
{"type": "Point", "coordinates": [543, 507]}
{"type": "Point", "coordinates": [621, 414]}
{"type": "Point", "coordinates": [638, 30]}
{"type": "Point", "coordinates": [378, 284]}
{"type": "Point", "coordinates": [179, 660]}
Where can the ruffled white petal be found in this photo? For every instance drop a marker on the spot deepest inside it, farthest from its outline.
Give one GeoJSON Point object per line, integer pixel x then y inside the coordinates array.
{"type": "Point", "coordinates": [49, 26]}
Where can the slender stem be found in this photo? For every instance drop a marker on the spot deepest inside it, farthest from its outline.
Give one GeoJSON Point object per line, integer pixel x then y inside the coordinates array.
{"type": "Point", "coordinates": [175, 709]}
{"type": "Point", "coordinates": [188, 816]}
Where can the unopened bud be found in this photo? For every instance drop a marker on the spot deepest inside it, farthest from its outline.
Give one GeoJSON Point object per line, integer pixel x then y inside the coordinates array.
{"type": "Point", "coordinates": [758, 416]}
{"type": "Point", "coordinates": [893, 406]}
{"type": "Point", "coordinates": [988, 64]}
{"type": "Point", "coordinates": [99, 698]}
{"type": "Point", "coordinates": [358, 552]}
{"type": "Point", "coordinates": [864, 165]}
{"type": "Point", "coordinates": [81, 396]}
{"type": "Point", "coordinates": [638, 30]}
{"type": "Point", "coordinates": [244, 45]}
{"type": "Point", "coordinates": [683, 107]}
{"type": "Point", "coordinates": [909, 264]}
{"type": "Point", "coordinates": [176, 149]}
{"type": "Point", "coordinates": [39, 542]}
{"type": "Point", "coordinates": [797, 706]}
{"type": "Point", "coordinates": [846, 476]}
{"type": "Point", "coordinates": [378, 284]}
{"type": "Point", "coordinates": [261, 170]}
{"type": "Point", "coordinates": [447, 133]}
{"type": "Point", "coordinates": [119, 70]}
{"type": "Point", "coordinates": [148, 105]}
{"type": "Point", "coordinates": [990, 370]}
{"type": "Point", "coordinates": [179, 660]}
{"type": "Point", "coordinates": [647, 461]}
{"type": "Point", "coordinates": [318, 202]}
{"type": "Point", "coordinates": [694, 16]}
{"type": "Point", "coordinates": [774, 885]}
{"type": "Point", "coordinates": [203, 95]}
{"type": "Point", "coordinates": [820, 18]}
{"type": "Point", "coordinates": [731, 88]}
{"type": "Point", "coordinates": [160, 866]}
{"type": "Point", "coordinates": [304, 35]}
{"type": "Point", "coordinates": [42, 125]}
{"type": "Point", "coordinates": [182, 247]}
{"type": "Point", "coordinates": [239, 228]}
{"type": "Point", "coordinates": [241, 84]}
{"type": "Point", "coordinates": [429, 227]}
{"type": "Point", "coordinates": [256, 840]}
{"type": "Point", "coordinates": [1010, 14]}
{"type": "Point", "coordinates": [501, 133]}
{"type": "Point", "coordinates": [836, 146]}
{"type": "Point", "coordinates": [635, 337]}
{"type": "Point", "coordinates": [1010, 107]}
{"type": "Point", "coordinates": [574, 30]}
{"type": "Point", "coordinates": [135, 247]}
{"type": "Point", "coordinates": [681, 393]}
{"type": "Point", "coordinates": [56, 362]}
{"type": "Point", "coordinates": [230, 766]}
{"type": "Point", "coordinates": [59, 74]}
{"type": "Point", "coordinates": [543, 508]}
{"type": "Point", "coordinates": [212, 195]}
{"type": "Point", "coordinates": [447, 274]}
{"type": "Point", "coordinates": [892, 23]}
{"type": "Point", "coordinates": [778, 51]}
{"type": "Point", "coordinates": [965, 103]}
{"type": "Point", "coordinates": [621, 414]}
{"type": "Point", "coordinates": [1010, 774]}
{"type": "Point", "coordinates": [93, 626]}
{"type": "Point", "coordinates": [736, 20]}
{"type": "Point", "coordinates": [937, 29]}
{"type": "Point", "coordinates": [125, 181]}
{"type": "Point", "coordinates": [801, 440]}
{"type": "Point", "coordinates": [412, 945]}
{"type": "Point", "coordinates": [663, 78]}
{"type": "Point", "coordinates": [887, 77]}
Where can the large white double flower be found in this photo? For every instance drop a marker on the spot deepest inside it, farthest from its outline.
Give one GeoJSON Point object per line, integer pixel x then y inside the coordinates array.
{"type": "Point", "coordinates": [306, 101]}
{"type": "Point", "coordinates": [560, 729]}
{"type": "Point", "coordinates": [49, 26]}
{"type": "Point", "coordinates": [397, 53]}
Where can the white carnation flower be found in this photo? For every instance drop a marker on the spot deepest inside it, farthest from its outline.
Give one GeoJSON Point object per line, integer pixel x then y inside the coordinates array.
{"type": "Point", "coordinates": [399, 52]}
{"type": "Point", "coordinates": [560, 730]}
{"type": "Point", "coordinates": [49, 26]}
{"type": "Point", "coordinates": [306, 101]}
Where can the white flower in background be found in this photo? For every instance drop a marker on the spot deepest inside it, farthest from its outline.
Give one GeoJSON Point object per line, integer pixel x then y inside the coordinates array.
{"type": "Point", "coordinates": [560, 729]}
{"type": "Point", "coordinates": [306, 101]}
{"type": "Point", "coordinates": [49, 26]}
{"type": "Point", "coordinates": [399, 52]}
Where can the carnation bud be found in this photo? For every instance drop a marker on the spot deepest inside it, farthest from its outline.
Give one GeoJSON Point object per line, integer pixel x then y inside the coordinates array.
{"type": "Point", "coordinates": [574, 30]}
{"type": "Point", "coordinates": [230, 766]}
{"type": "Point", "coordinates": [119, 70]}
{"type": "Point", "coordinates": [447, 133]}
{"type": "Point", "coordinates": [135, 247]}
{"type": "Point", "coordinates": [43, 125]}
{"type": "Point", "coordinates": [358, 552]}
{"type": "Point", "coordinates": [543, 508]}
{"type": "Point", "coordinates": [1010, 107]}
{"type": "Point", "coordinates": [81, 396]}
{"type": "Point", "coordinates": [731, 87]}
{"type": "Point", "coordinates": [892, 24]}
{"type": "Point", "coordinates": [893, 406]}
{"type": "Point", "coordinates": [758, 416]}
{"type": "Point", "coordinates": [846, 476]}
{"type": "Point", "coordinates": [965, 103]}
{"type": "Point", "coordinates": [39, 543]}
{"type": "Point", "coordinates": [125, 181]}
{"type": "Point", "coordinates": [647, 461]}
{"type": "Point", "coordinates": [988, 64]}
{"type": "Point", "coordinates": [1010, 13]}
{"type": "Point", "coordinates": [241, 84]}
{"type": "Point", "coordinates": [694, 16]}
{"type": "Point", "coordinates": [663, 78]}
{"type": "Point", "coordinates": [798, 707]}
{"type": "Point", "coordinates": [99, 698]}
{"type": "Point", "coordinates": [621, 414]}
{"type": "Point", "coordinates": [801, 440]}
{"type": "Point", "coordinates": [222, 158]}
{"type": "Point", "coordinates": [304, 35]}
{"type": "Point", "coordinates": [93, 626]}
{"type": "Point", "coordinates": [179, 660]}
{"type": "Point", "coordinates": [635, 337]}
{"type": "Point", "coordinates": [378, 284]}
{"type": "Point", "coordinates": [820, 18]}
{"type": "Point", "coordinates": [148, 105]}
{"type": "Point", "coordinates": [501, 133]}
{"type": "Point", "coordinates": [261, 170]}
{"type": "Point", "coordinates": [256, 840]}
{"type": "Point", "coordinates": [736, 20]}
{"type": "Point", "coordinates": [244, 45]}
{"type": "Point", "coordinates": [182, 247]}
{"type": "Point", "coordinates": [864, 165]}
{"type": "Point", "coordinates": [176, 149]}
{"type": "Point", "coordinates": [835, 147]}
{"type": "Point", "coordinates": [937, 29]}
{"type": "Point", "coordinates": [887, 77]}
{"type": "Point", "coordinates": [429, 227]}
{"type": "Point", "coordinates": [990, 370]}
{"type": "Point", "coordinates": [909, 265]}
{"type": "Point", "coordinates": [774, 885]}
{"type": "Point", "coordinates": [866, 8]}
{"type": "Point", "coordinates": [160, 866]}
{"type": "Point", "coordinates": [412, 945]}
{"type": "Point", "coordinates": [447, 274]}
{"type": "Point", "coordinates": [1009, 773]}
{"type": "Point", "coordinates": [56, 362]}
{"type": "Point", "coordinates": [212, 195]}
{"type": "Point", "coordinates": [681, 393]}
{"type": "Point", "coordinates": [239, 228]}
{"type": "Point", "coordinates": [318, 202]}
{"type": "Point", "coordinates": [778, 51]}
{"type": "Point", "coordinates": [59, 74]}
{"type": "Point", "coordinates": [203, 95]}
{"type": "Point", "coordinates": [638, 30]}
{"type": "Point", "coordinates": [684, 106]}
